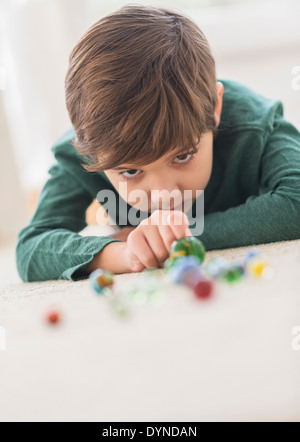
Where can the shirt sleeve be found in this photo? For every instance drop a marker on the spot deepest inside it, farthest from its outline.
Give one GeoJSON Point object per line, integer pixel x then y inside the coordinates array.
{"type": "Point", "coordinates": [274, 214]}
{"type": "Point", "coordinates": [49, 247]}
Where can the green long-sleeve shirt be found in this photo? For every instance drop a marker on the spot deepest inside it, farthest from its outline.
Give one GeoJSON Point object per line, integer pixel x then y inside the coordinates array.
{"type": "Point", "coordinates": [253, 195]}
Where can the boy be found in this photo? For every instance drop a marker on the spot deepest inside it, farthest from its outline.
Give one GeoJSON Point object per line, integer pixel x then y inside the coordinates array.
{"type": "Point", "coordinates": [146, 109]}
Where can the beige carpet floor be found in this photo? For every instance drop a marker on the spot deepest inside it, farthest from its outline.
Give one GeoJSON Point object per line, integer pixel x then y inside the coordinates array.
{"type": "Point", "coordinates": [233, 358]}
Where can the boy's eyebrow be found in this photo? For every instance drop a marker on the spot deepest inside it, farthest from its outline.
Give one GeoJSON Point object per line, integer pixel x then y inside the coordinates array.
{"type": "Point", "coordinates": [134, 167]}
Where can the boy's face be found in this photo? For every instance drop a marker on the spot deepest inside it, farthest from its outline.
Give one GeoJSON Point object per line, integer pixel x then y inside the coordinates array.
{"type": "Point", "coordinates": [162, 184]}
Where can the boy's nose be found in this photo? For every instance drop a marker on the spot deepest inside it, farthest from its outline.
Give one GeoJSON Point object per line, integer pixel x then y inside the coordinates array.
{"type": "Point", "coordinates": [165, 198]}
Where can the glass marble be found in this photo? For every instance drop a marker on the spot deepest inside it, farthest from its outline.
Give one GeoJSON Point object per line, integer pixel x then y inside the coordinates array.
{"type": "Point", "coordinates": [233, 273]}
{"type": "Point", "coordinates": [201, 286]}
{"type": "Point", "coordinates": [182, 264]}
{"type": "Point", "coordinates": [216, 267]}
{"type": "Point", "coordinates": [102, 281]}
{"type": "Point", "coordinates": [256, 267]}
{"type": "Point", "coordinates": [189, 245]}
{"type": "Point", "coordinates": [252, 253]}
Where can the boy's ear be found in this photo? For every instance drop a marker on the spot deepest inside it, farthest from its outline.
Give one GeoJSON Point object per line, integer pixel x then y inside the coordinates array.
{"type": "Point", "coordinates": [218, 108]}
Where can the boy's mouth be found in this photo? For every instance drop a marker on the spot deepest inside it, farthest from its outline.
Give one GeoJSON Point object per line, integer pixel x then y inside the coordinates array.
{"type": "Point", "coordinates": [183, 206]}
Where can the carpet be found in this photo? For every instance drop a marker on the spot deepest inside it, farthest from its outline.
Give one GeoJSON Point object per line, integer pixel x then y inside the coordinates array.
{"type": "Point", "coordinates": [235, 357]}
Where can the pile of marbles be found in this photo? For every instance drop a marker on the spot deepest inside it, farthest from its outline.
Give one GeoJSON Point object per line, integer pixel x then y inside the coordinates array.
{"type": "Point", "coordinates": [185, 265]}
{"type": "Point", "coordinates": [146, 289]}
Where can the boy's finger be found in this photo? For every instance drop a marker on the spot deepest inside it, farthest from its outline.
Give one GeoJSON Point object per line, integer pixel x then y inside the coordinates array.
{"type": "Point", "coordinates": [144, 252]}
{"type": "Point", "coordinates": [167, 235]}
{"type": "Point", "coordinates": [179, 224]}
{"type": "Point", "coordinates": [156, 243]}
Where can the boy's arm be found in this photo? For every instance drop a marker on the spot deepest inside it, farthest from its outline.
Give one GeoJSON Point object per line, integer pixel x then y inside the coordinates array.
{"type": "Point", "coordinates": [49, 247]}
{"type": "Point", "coordinates": [272, 216]}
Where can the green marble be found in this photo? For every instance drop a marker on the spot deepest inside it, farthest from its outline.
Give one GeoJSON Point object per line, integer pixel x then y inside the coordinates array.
{"type": "Point", "coordinates": [232, 274]}
{"type": "Point", "coordinates": [189, 245]}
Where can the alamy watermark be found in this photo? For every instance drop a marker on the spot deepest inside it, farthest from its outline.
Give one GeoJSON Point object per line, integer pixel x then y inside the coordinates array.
{"type": "Point", "coordinates": [2, 339]}
{"type": "Point", "coordinates": [2, 78]}
{"type": "Point", "coordinates": [296, 340]}
{"type": "Point", "coordinates": [139, 207]}
{"type": "Point", "coordinates": [296, 78]}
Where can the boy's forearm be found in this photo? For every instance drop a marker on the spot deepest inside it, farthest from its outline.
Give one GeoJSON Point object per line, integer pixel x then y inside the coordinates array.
{"type": "Point", "coordinates": [262, 219]}
{"type": "Point", "coordinates": [111, 258]}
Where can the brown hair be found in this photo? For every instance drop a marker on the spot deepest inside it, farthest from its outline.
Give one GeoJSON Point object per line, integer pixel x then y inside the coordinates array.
{"type": "Point", "coordinates": [140, 83]}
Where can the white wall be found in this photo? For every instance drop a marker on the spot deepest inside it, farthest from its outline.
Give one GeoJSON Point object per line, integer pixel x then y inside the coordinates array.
{"type": "Point", "coordinates": [12, 210]}
{"type": "Point", "coordinates": [37, 37]}
{"type": "Point", "coordinates": [258, 44]}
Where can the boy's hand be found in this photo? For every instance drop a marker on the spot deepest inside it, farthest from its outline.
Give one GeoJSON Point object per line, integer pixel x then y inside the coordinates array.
{"type": "Point", "coordinates": [148, 244]}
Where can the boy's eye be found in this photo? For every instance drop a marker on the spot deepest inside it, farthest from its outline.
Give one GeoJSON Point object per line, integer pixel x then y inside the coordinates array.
{"type": "Point", "coordinates": [183, 158]}
{"type": "Point", "coordinates": [131, 173]}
